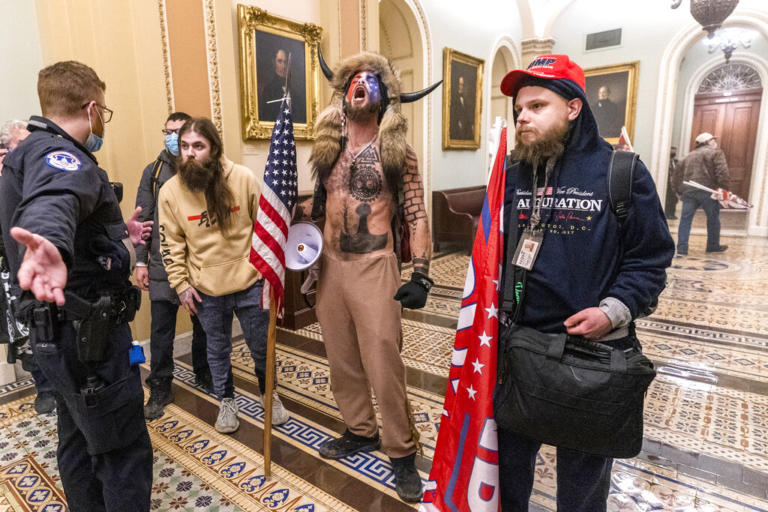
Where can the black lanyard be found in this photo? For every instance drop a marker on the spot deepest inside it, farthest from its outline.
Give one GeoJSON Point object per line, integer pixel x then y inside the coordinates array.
{"type": "Point", "coordinates": [515, 278]}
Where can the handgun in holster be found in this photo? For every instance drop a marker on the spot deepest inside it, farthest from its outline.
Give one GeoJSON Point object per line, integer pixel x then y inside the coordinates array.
{"type": "Point", "coordinates": [98, 318]}
{"type": "Point", "coordinates": [92, 331]}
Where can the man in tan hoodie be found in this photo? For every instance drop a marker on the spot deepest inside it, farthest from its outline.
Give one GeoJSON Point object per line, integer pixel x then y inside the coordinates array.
{"type": "Point", "coordinates": [206, 225]}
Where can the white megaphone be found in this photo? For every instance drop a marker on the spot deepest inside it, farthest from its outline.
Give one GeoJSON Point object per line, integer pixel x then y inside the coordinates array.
{"type": "Point", "coordinates": [304, 245]}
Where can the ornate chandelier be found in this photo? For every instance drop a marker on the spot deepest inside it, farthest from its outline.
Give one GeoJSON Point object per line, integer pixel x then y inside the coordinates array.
{"type": "Point", "coordinates": [709, 13]}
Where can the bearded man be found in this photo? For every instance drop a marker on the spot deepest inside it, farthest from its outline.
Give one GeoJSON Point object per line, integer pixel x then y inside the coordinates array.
{"type": "Point", "coordinates": [207, 211]}
{"type": "Point", "coordinates": [590, 276]}
{"type": "Point", "coordinates": [365, 172]}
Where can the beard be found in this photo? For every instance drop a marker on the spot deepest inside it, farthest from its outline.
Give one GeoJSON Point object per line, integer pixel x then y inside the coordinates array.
{"type": "Point", "coordinates": [551, 144]}
{"type": "Point", "coordinates": [363, 113]}
{"type": "Point", "coordinates": [197, 176]}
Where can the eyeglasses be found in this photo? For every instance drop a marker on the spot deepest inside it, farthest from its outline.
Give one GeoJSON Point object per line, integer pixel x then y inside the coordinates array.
{"type": "Point", "coordinates": [168, 131]}
{"type": "Point", "coordinates": [107, 111]}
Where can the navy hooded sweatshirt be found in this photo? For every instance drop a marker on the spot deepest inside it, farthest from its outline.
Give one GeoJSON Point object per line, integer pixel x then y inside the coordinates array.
{"type": "Point", "coordinates": [586, 255]}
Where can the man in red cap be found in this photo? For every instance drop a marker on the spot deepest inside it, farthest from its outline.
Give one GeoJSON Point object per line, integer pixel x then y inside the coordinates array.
{"type": "Point", "coordinates": [589, 275]}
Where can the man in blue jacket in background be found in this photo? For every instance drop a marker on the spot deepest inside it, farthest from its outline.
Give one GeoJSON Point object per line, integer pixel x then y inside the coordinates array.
{"type": "Point", "coordinates": [591, 275]}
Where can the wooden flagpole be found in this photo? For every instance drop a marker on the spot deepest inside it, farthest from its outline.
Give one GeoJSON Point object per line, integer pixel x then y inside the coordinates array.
{"type": "Point", "coordinates": [270, 378]}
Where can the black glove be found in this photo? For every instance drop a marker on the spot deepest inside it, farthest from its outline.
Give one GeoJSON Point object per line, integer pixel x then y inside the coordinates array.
{"type": "Point", "coordinates": [413, 295]}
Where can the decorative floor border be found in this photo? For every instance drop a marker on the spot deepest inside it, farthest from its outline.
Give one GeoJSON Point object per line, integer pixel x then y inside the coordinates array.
{"type": "Point", "coordinates": [233, 469]}
{"type": "Point", "coordinates": [305, 435]}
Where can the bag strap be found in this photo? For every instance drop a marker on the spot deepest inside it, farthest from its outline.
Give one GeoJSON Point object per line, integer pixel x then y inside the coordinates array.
{"type": "Point", "coordinates": [508, 302]}
{"type": "Point", "coordinates": [156, 176]}
{"type": "Point", "coordinates": [620, 174]}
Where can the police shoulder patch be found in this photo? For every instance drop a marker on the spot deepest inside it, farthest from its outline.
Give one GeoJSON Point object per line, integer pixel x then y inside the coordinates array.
{"type": "Point", "coordinates": [63, 160]}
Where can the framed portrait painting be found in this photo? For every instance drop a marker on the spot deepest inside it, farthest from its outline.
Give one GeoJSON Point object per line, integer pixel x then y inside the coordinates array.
{"type": "Point", "coordinates": [462, 100]}
{"type": "Point", "coordinates": [612, 96]}
{"type": "Point", "coordinates": [278, 60]}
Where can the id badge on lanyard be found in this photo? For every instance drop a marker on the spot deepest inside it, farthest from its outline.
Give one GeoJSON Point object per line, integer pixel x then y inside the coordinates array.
{"type": "Point", "coordinates": [528, 248]}
{"type": "Point", "coordinates": [529, 244]}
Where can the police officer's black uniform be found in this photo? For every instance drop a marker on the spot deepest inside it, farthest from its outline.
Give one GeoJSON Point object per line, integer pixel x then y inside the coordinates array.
{"type": "Point", "coordinates": [51, 185]}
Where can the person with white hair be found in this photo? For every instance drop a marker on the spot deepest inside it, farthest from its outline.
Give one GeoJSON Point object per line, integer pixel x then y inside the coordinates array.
{"type": "Point", "coordinates": [11, 133]}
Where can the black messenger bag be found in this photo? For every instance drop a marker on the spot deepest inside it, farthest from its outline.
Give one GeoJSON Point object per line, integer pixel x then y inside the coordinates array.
{"type": "Point", "coordinates": [565, 391]}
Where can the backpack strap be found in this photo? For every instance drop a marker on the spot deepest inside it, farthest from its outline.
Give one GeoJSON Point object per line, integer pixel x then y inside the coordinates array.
{"type": "Point", "coordinates": [156, 176]}
{"type": "Point", "coordinates": [620, 175]}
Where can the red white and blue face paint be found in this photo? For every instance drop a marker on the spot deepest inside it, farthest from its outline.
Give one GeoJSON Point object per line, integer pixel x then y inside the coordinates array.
{"type": "Point", "coordinates": [364, 81]}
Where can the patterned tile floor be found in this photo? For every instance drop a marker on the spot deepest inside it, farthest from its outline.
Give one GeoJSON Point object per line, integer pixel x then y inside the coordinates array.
{"type": "Point", "coordinates": [195, 468]}
{"type": "Point", "coordinates": [637, 485]}
{"type": "Point", "coordinates": [706, 414]}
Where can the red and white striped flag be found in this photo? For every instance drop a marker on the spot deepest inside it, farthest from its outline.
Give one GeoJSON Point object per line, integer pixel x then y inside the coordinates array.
{"type": "Point", "coordinates": [465, 468]}
{"type": "Point", "coordinates": [278, 197]}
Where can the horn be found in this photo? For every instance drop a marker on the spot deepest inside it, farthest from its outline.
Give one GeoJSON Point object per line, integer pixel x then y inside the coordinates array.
{"type": "Point", "coordinates": [409, 97]}
{"type": "Point", "coordinates": [326, 70]}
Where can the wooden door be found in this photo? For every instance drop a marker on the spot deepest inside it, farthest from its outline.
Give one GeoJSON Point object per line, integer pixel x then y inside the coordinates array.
{"type": "Point", "coordinates": [733, 120]}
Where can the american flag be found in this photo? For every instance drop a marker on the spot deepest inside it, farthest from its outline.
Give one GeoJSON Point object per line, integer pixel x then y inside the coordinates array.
{"type": "Point", "coordinates": [276, 203]}
{"type": "Point", "coordinates": [465, 467]}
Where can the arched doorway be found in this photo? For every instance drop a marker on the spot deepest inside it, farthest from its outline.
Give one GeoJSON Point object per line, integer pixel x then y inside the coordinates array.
{"type": "Point", "coordinates": [400, 42]}
{"type": "Point", "coordinates": [727, 104]}
{"type": "Point", "coordinates": [504, 56]}
{"type": "Point", "coordinates": [501, 105]}
{"type": "Point", "coordinates": [669, 74]}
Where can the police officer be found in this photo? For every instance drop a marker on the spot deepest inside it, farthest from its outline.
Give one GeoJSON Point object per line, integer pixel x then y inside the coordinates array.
{"type": "Point", "coordinates": [67, 243]}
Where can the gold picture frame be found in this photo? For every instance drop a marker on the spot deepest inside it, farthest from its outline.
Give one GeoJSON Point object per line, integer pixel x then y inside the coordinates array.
{"type": "Point", "coordinates": [462, 99]}
{"type": "Point", "coordinates": [617, 109]}
{"type": "Point", "coordinates": [267, 44]}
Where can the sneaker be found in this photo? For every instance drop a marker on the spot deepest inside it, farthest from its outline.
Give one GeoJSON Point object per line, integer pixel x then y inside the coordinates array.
{"type": "Point", "coordinates": [227, 421]}
{"type": "Point", "coordinates": [348, 444]}
{"type": "Point", "coordinates": [45, 402]}
{"type": "Point", "coordinates": [719, 248]}
{"type": "Point", "coordinates": [204, 381]}
{"type": "Point", "coordinates": [159, 397]}
{"type": "Point", "coordinates": [407, 479]}
{"type": "Point", "coordinates": [279, 414]}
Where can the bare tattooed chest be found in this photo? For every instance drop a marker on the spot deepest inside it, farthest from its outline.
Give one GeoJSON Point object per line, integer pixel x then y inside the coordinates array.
{"type": "Point", "coordinates": [359, 202]}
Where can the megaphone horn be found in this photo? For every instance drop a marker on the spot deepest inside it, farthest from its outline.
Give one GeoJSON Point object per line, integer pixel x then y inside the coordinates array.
{"type": "Point", "coordinates": [303, 247]}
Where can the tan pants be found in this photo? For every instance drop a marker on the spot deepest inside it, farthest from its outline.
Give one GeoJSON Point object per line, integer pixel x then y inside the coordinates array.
{"type": "Point", "coordinates": [361, 328]}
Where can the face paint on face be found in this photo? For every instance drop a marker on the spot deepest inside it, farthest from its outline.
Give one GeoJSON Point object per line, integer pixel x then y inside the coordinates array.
{"type": "Point", "coordinates": [364, 83]}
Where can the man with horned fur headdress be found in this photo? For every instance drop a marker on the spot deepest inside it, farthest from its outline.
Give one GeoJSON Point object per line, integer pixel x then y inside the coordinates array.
{"type": "Point", "coordinates": [364, 173]}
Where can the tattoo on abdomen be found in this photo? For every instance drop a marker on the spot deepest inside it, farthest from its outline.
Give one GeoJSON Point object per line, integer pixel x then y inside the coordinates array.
{"type": "Point", "coordinates": [365, 182]}
{"type": "Point", "coordinates": [363, 241]}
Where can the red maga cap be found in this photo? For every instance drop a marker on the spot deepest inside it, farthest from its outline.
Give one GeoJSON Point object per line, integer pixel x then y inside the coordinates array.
{"type": "Point", "coordinates": [544, 66]}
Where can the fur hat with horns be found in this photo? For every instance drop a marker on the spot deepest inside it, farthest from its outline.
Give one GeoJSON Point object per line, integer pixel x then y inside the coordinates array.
{"type": "Point", "coordinates": [392, 124]}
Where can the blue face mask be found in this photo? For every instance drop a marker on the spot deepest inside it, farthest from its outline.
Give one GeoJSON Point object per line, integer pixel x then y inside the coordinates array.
{"type": "Point", "coordinates": [93, 142]}
{"type": "Point", "coordinates": [172, 143]}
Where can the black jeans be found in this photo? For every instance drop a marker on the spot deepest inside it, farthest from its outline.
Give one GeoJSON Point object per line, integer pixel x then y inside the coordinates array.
{"type": "Point", "coordinates": [583, 480]}
{"type": "Point", "coordinates": [163, 331]}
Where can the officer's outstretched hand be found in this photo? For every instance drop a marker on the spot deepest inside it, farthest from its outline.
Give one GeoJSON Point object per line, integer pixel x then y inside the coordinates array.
{"type": "Point", "coordinates": [139, 231]}
{"type": "Point", "coordinates": [42, 271]}
{"type": "Point", "coordinates": [591, 323]}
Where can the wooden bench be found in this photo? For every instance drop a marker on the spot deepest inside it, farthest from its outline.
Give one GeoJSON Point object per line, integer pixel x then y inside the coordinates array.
{"type": "Point", "coordinates": [455, 215]}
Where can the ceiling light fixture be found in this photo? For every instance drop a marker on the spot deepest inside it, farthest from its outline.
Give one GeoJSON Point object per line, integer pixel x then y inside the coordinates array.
{"type": "Point", "coordinates": [709, 13]}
